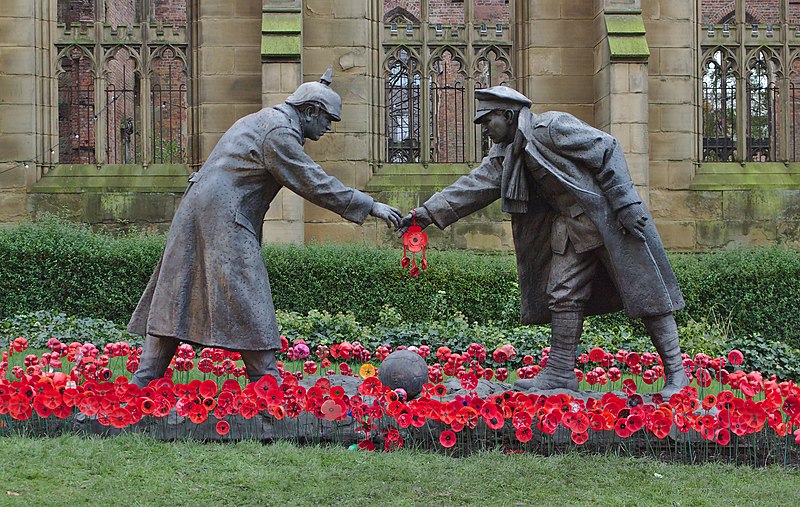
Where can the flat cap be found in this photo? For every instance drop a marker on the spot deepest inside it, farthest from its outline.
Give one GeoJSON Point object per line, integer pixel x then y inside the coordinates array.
{"type": "Point", "coordinates": [499, 97]}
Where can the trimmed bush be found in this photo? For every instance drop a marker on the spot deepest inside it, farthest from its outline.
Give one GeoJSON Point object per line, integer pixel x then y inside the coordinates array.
{"type": "Point", "coordinates": [62, 267]}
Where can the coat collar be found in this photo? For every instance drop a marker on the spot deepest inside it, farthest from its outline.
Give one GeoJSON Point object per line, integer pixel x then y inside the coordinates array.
{"type": "Point", "coordinates": [294, 119]}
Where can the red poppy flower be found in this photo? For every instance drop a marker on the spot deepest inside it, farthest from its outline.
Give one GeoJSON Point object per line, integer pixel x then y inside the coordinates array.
{"type": "Point", "coordinates": [709, 402]}
{"type": "Point", "coordinates": [447, 438]}
{"type": "Point", "coordinates": [735, 357]}
{"type": "Point", "coordinates": [366, 445]}
{"type": "Point", "coordinates": [119, 418]}
{"type": "Point", "coordinates": [596, 355]}
{"type": "Point", "coordinates": [660, 425]}
{"type": "Point", "coordinates": [337, 392]}
{"type": "Point", "coordinates": [248, 409]}
{"type": "Point", "coordinates": [469, 381]}
{"type": "Point", "coordinates": [521, 419]}
{"type": "Point", "coordinates": [580, 437]}
{"type": "Point", "coordinates": [580, 422]}
{"type": "Point", "coordinates": [223, 427]}
{"type": "Point", "coordinates": [723, 437]}
{"type": "Point", "coordinates": [524, 434]}
{"type": "Point", "coordinates": [331, 410]}
{"type": "Point", "coordinates": [621, 428]}
{"type": "Point", "coordinates": [628, 386]}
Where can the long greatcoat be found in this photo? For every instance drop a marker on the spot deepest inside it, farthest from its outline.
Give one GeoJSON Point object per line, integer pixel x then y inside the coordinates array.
{"type": "Point", "coordinates": [211, 285]}
{"type": "Point", "coordinates": [591, 165]}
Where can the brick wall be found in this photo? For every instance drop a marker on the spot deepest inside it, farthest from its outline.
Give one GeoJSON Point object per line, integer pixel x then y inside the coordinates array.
{"type": "Point", "coordinates": [758, 11]}
{"type": "Point", "coordinates": [490, 12]}
{"type": "Point", "coordinates": [170, 12]}
{"type": "Point", "coordinates": [413, 7]}
{"type": "Point", "coordinates": [169, 103]}
{"type": "Point", "coordinates": [73, 11]}
{"type": "Point", "coordinates": [445, 11]}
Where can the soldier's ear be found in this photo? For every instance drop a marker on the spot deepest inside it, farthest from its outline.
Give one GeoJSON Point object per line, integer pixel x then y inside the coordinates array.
{"type": "Point", "coordinates": [509, 116]}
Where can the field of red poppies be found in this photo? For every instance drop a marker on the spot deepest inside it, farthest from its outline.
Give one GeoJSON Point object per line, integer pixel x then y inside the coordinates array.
{"type": "Point", "coordinates": [725, 413]}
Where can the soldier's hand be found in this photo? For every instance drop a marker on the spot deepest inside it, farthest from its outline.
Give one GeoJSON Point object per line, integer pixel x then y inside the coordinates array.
{"type": "Point", "coordinates": [386, 213]}
{"type": "Point", "coordinates": [633, 220]}
{"type": "Point", "coordinates": [422, 216]}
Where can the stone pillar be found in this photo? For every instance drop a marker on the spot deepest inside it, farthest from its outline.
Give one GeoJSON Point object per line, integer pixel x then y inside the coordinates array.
{"type": "Point", "coordinates": [341, 34]}
{"type": "Point", "coordinates": [229, 70]}
{"type": "Point", "coordinates": [281, 74]}
{"type": "Point", "coordinates": [684, 218]}
{"type": "Point", "coordinates": [621, 83]}
{"type": "Point", "coordinates": [17, 106]}
{"type": "Point", "coordinates": [554, 40]}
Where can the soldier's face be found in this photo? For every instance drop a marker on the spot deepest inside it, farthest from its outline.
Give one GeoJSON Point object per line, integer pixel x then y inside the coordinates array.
{"type": "Point", "coordinates": [316, 125]}
{"type": "Point", "coordinates": [499, 126]}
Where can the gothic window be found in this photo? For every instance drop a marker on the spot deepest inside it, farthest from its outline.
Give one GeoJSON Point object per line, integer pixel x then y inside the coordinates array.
{"type": "Point", "coordinates": [747, 75]}
{"type": "Point", "coordinates": [436, 53]}
{"type": "Point", "coordinates": [122, 73]}
{"type": "Point", "coordinates": [719, 107]}
{"type": "Point", "coordinates": [403, 83]}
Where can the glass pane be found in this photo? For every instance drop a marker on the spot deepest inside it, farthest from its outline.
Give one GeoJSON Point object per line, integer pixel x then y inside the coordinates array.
{"type": "Point", "coordinates": [403, 85]}
{"type": "Point", "coordinates": [74, 11]}
{"type": "Point", "coordinates": [446, 12]}
{"type": "Point", "coordinates": [491, 12]}
{"type": "Point", "coordinates": [763, 11]}
{"type": "Point", "coordinates": [122, 12]}
{"type": "Point", "coordinates": [447, 109]}
{"type": "Point", "coordinates": [76, 108]}
{"type": "Point", "coordinates": [402, 11]}
{"type": "Point", "coordinates": [169, 12]}
{"type": "Point", "coordinates": [169, 106]}
{"type": "Point", "coordinates": [719, 109]}
{"type": "Point", "coordinates": [122, 115]}
{"type": "Point", "coordinates": [718, 12]}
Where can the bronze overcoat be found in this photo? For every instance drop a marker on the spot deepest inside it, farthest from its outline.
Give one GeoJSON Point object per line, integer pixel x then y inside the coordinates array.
{"type": "Point", "coordinates": [211, 286]}
{"type": "Point", "coordinates": [591, 165]}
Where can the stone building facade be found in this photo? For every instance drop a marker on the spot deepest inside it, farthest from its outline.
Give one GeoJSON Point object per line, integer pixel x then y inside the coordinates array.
{"type": "Point", "coordinates": [107, 105]}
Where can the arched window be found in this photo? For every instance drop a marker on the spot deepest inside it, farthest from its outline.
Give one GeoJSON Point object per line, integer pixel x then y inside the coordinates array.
{"type": "Point", "coordinates": [123, 74]}
{"type": "Point", "coordinates": [403, 113]}
{"type": "Point", "coordinates": [762, 108]}
{"type": "Point", "coordinates": [455, 47]}
{"type": "Point", "coordinates": [719, 107]}
{"type": "Point", "coordinates": [448, 94]}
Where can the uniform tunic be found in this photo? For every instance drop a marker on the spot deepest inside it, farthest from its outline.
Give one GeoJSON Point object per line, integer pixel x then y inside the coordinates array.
{"type": "Point", "coordinates": [211, 286]}
{"type": "Point", "coordinates": [589, 165]}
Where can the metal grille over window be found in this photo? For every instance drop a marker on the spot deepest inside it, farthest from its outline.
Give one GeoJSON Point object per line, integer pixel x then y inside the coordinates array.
{"type": "Point", "coordinates": [749, 79]}
{"type": "Point", "coordinates": [436, 53]}
{"type": "Point", "coordinates": [123, 75]}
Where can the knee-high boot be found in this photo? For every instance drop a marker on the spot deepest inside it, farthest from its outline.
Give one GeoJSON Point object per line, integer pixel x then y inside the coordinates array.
{"type": "Point", "coordinates": [559, 371]}
{"type": "Point", "coordinates": [664, 332]}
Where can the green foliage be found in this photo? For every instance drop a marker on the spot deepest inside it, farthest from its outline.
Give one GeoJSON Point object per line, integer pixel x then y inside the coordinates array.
{"type": "Point", "coordinates": [62, 267]}
{"type": "Point", "coordinates": [53, 265]}
{"type": "Point", "coordinates": [38, 327]}
{"type": "Point", "coordinates": [768, 356]}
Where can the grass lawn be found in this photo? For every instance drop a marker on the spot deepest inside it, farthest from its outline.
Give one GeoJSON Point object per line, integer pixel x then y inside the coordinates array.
{"type": "Point", "coordinates": [137, 470]}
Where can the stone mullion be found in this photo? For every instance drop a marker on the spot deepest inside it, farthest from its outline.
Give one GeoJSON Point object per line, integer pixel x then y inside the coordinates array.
{"type": "Point", "coordinates": [742, 97]}
{"type": "Point", "coordinates": [425, 88]}
{"type": "Point", "coordinates": [99, 92]}
{"type": "Point", "coordinates": [145, 100]}
{"type": "Point", "coordinates": [470, 152]}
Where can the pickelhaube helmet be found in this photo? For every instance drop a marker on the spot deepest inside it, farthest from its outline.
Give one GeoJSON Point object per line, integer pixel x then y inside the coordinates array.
{"type": "Point", "coordinates": [319, 93]}
{"type": "Point", "coordinates": [499, 98]}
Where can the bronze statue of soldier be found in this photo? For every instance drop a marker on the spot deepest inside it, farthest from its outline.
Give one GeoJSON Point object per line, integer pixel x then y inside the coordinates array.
{"type": "Point", "coordinates": [585, 243]}
{"type": "Point", "coordinates": [211, 287]}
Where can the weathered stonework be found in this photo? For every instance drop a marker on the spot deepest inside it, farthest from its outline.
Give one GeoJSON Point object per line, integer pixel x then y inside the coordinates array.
{"type": "Point", "coordinates": [629, 67]}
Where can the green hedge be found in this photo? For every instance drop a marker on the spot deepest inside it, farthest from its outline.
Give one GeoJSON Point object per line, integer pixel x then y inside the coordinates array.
{"type": "Point", "coordinates": [52, 265]}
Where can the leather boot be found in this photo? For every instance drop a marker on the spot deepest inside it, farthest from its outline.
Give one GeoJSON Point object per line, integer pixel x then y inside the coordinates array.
{"type": "Point", "coordinates": [258, 363]}
{"type": "Point", "coordinates": [664, 332]}
{"type": "Point", "coordinates": [559, 372]}
{"type": "Point", "coordinates": [156, 355]}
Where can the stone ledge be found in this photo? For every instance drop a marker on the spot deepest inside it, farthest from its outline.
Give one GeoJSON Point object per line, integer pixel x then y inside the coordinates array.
{"type": "Point", "coordinates": [747, 176]}
{"type": "Point", "coordinates": [71, 178]}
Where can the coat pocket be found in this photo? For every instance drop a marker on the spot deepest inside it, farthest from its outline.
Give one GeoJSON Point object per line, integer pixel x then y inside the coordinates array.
{"type": "Point", "coordinates": [244, 222]}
